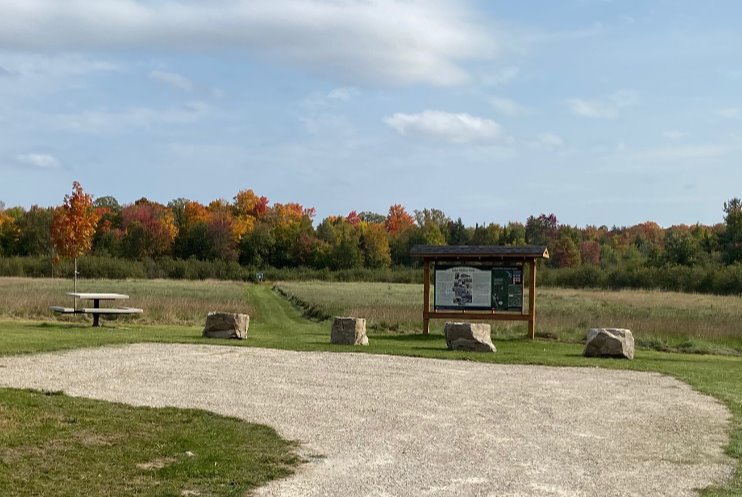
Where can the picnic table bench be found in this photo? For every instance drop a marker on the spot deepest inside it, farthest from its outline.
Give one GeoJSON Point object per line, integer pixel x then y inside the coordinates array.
{"type": "Point", "coordinates": [96, 311]}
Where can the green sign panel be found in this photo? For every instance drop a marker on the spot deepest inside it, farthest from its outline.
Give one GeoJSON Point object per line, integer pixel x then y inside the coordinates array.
{"type": "Point", "coordinates": [491, 288]}
{"type": "Point", "coordinates": [507, 289]}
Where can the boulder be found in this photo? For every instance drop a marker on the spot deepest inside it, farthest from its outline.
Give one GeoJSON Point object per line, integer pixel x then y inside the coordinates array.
{"type": "Point", "coordinates": [473, 337]}
{"type": "Point", "coordinates": [609, 342]}
{"type": "Point", "coordinates": [349, 331]}
{"type": "Point", "coordinates": [226, 325]}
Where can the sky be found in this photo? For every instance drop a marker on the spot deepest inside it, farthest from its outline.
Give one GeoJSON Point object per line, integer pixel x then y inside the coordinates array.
{"type": "Point", "coordinates": [601, 112]}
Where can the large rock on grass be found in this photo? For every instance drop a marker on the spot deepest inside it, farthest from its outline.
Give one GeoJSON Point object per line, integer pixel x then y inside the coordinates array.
{"type": "Point", "coordinates": [474, 337]}
{"type": "Point", "coordinates": [226, 325]}
{"type": "Point", "coordinates": [349, 331]}
{"type": "Point", "coordinates": [609, 342]}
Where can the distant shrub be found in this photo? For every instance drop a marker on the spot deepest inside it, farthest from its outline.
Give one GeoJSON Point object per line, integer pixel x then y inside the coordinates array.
{"type": "Point", "coordinates": [720, 280]}
{"type": "Point", "coordinates": [714, 279]}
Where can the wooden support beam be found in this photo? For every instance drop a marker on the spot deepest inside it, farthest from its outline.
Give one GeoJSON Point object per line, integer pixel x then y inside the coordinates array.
{"type": "Point", "coordinates": [532, 300]}
{"type": "Point", "coordinates": [426, 297]}
{"type": "Point", "coordinates": [479, 316]}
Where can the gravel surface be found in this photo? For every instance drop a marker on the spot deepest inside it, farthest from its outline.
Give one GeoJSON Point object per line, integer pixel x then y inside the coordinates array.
{"type": "Point", "coordinates": [393, 426]}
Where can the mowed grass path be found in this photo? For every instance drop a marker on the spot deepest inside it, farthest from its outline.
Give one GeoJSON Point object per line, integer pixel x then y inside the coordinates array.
{"type": "Point", "coordinates": [660, 320]}
{"type": "Point", "coordinates": [276, 323]}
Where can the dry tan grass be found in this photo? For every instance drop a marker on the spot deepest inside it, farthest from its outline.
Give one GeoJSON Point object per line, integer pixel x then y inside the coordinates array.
{"type": "Point", "coordinates": [562, 313]}
{"type": "Point", "coordinates": [668, 314]}
{"type": "Point", "coordinates": [163, 301]}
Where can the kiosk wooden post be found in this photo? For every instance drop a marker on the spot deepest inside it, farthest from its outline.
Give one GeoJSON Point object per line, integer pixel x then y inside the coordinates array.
{"type": "Point", "coordinates": [532, 300]}
{"type": "Point", "coordinates": [481, 256]}
{"type": "Point", "coordinates": [426, 296]}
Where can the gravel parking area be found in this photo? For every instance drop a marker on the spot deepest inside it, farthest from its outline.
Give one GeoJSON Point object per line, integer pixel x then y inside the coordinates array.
{"type": "Point", "coordinates": [394, 426]}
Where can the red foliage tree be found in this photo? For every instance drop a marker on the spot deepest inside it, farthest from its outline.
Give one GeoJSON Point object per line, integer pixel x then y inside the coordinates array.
{"type": "Point", "coordinates": [590, 252]}
{"type": "Point", "coordinates": [149, 229]}
{"type": "Point", "coordinates": [353, 218]}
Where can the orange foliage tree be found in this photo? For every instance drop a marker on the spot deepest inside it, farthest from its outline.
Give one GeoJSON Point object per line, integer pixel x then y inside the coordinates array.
{"type": "Point", "coordinates": [398, 219]}
{"type": "Point", "coordinates": [73, 225]}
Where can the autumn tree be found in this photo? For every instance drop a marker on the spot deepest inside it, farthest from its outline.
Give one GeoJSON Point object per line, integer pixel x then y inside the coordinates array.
{"type": "Point", "coordinates": [247, 203]}
{"type": "Point", "coordinates": [108, 233]}
{"type": "Point", "coordinates": [398, 219]}
{"type": "Point", "coordinates": [513, 234]}
{"type": "Point", "coordinates": [288, 223]}
{"type": "Point", "coordinates": [458, 234]}
{"type": "Point", "coordinates": [681, 247]}
{"type": "Point", "coordinates": [9, 231]}
{"type": "Point", "coordinates": [257, 246]}
{"type": "Point", "coordinates": [35, 231]}
{"type": "Point", "coordinates": [541, 230]}
{"type": "Point", "coordinates": [375, 246]}
{"type": "Point", "coordinates": [73, 225]}
{"type": "Point", "coordinates": [372, 217]}
{"type": "Point", "coordinates": [564, 252]}
{"type": "Point", "coordinates": [354, 218]}
{"type": "Point", "coordinates": [400, 225]}
{"type": "Point", "coordinates": [590, 252]}
{"type": "Point", "coordinates": [149, 229]}
{"type": "Point", "coordinates": [486, 235]}
{"type": "Point", "coordinates": [732, 238]}
{"type": "Point", "coordinates": [344, 242]}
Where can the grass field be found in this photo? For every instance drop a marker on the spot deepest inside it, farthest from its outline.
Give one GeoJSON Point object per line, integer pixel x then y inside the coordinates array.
{"type": "Point", "coordinates": [659, 320]}
{"type": "Point", "coordinates": [276, 323]}
{"type": "Point", "coordinates": [165, 301]}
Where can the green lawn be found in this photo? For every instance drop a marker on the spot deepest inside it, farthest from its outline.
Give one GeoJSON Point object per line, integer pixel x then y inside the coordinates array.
{"type": "Point", "coordinates": [55, 445]}
{"type": "Point", "coordinates": [276, 323]}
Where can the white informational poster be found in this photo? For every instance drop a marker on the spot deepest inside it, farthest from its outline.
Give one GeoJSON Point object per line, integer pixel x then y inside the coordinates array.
{"type": "Point", "coordinates": [463, 288]}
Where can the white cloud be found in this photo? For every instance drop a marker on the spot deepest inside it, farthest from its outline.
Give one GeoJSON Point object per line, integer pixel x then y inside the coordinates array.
{"type": "Point", "coordinates": [345, 93]}
{"type": "Point", "coordinates": [674, 134]}
{"type": "Point", "coordinates": [592, 108]}
{"type": "Point", "coordinates": [38, 161]}
{"type": "Point", "coordinates": [729, 113]}
{"type": "Point", "coordinates": [549, 140]}
{"type": "Point", "coordinates": [607, 108]}
{"type": "Point", "coordinates": [508, 107]}
{"type": "Point", "coordinates": [172, 79]}
{"type": "Point", "coordinates": [317, 101]}
{"type": "Point", "coordinates": [453, 128]}
{"type": "Point", "coordinates": [380, 41]}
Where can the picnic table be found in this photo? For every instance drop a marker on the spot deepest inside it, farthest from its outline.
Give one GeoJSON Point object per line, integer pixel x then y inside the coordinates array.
{"type": "Point", "coordinates": [96, 311]}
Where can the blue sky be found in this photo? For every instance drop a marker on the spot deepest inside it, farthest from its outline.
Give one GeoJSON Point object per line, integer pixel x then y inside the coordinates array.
{"type": "Point", "coordinates": [601, 112]}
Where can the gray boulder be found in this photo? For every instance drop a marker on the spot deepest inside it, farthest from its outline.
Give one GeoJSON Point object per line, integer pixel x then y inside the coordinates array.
{"type": "Point", "coordinates": [474, 337]}
{"type": "Point", "coordinates": [349, 331]}
{"type": "Point", "coordinates": [609, 342]}
{"type": "Point", "coordinates": [226, 325]}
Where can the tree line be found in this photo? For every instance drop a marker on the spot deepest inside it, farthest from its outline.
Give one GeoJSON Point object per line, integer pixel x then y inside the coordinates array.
{"type": "Point", "coordinates": [252, 231]}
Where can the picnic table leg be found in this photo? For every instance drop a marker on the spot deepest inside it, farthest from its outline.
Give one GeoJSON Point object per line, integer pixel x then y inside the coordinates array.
{"type": "Point", "coordinates": [96, 316]}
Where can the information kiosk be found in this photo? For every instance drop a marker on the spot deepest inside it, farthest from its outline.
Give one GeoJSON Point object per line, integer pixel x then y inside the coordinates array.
{"type": "Point", "coordinates": [480, 282]}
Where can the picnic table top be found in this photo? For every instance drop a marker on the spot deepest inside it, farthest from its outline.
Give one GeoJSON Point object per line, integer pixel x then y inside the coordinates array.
{"type": "Point", "coordinates": [98, 296]}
